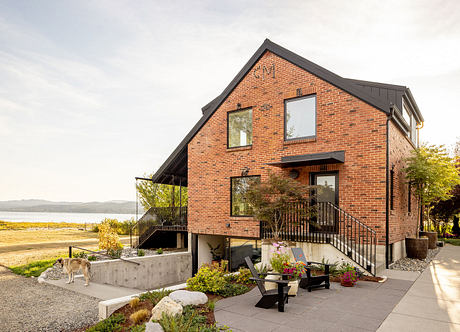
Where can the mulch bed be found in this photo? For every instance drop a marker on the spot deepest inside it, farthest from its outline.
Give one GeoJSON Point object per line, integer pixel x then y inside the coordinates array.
{"type": "Point", "coordinates": [337, 279]}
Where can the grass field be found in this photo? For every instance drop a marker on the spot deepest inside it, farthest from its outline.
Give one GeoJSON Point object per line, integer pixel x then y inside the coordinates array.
{"type": "Point", "coordinates": [26, 243]}
{"type": "Point", "coordinates": [26, 225]}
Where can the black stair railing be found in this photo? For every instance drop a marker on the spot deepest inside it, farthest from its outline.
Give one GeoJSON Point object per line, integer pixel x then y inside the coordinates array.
{"type": "Point", "coordinates": [158, 219]}
{"type": "Point", "coordinates": [324, 222]}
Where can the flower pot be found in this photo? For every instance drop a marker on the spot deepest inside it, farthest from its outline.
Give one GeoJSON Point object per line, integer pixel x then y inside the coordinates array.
{"type": "Point", "coordinates": [271, 285]}
{"type": "Point", "coordinates": [294, 287]}
{"type": "Point", "coordinates": [417, 248]}
{"type": "Point", "coordinates": [432, 239]}
{"type": "Point", "coordinates": [347, 283]}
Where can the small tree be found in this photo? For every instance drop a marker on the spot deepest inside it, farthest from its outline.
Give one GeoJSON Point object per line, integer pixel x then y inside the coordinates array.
{"type": "Point", "coordinates": [433, 175]}
{"type": "Point", "coordinates": [108, 237]}
{"type": "Point", "coordinates": [160, 195]}
{"type": "Point", "coordinates": [270, 197]}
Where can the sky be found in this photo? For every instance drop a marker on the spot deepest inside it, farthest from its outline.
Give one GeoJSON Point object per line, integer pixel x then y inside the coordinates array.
{"type": "Point", "coordinates": [94, 93]}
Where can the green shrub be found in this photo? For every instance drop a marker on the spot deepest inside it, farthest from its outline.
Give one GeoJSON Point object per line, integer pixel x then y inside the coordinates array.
{"type": "Point", "coordinates": [115, 253]}
{"type": "Point", "coordinates": [209, 279]}
{"type": "Point", "coordinates": [243, 276]}
{"type": "Point", "coordinates": [159, 251]}
{"type": "Point", "coordinates": [211, 305]}
{"type": "Point", "coordinates": [109, 324]}
{"type": "Point", "coordinates": [95, 228]}
{"type": "Point", "coordinates": [92, 258]}
{"type": "Point", "coordinates": [140, 252]}
{"type": "Point", "coordinates": [214, 328]}
{"type": "Point", "coordinates": [232, 290]}
{"type": "Point", "coordinates": [155, 296]}
{"type": "Point", "coordinates": [137, 328]}
{"type": "Point", "coordinates": [79, 254]}
{"type": "Point", "coordinates": [189, 321]}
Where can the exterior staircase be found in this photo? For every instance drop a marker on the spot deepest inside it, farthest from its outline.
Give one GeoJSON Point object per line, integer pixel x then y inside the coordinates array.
{"type": "Point", "coordinates": [326, 223]}
{"type": "Point", "coordinates": [158, 219]}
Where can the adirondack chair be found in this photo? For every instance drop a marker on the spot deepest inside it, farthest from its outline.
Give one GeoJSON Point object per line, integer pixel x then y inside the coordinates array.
{"type": "Point", "coordinates": [270, 297]}
{"type": "Point", "coordinates": [309, 281]}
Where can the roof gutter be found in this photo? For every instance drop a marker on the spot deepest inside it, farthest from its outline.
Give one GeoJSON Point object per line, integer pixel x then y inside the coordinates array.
{"type": "Point", "coordinates": [387, 200]}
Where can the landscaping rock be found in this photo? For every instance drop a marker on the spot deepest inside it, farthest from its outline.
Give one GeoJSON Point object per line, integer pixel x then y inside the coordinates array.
{"type": "Point", "coordinates": [185, 297]}
{"type": "Point", "coordinates": [168, 306]}
{"type": "Point", "coordinates": [412, 264]}
{"type": "Point", "coordinates": [153, 327]}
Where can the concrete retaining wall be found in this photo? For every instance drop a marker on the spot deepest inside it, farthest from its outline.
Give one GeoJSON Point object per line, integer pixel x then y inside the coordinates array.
{"type": "Point", "coordinates": [153, 272]}
{"type": "Point", "coordinates": [316, 252]}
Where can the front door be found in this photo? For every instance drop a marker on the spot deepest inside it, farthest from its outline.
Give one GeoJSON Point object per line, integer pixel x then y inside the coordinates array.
{"type": "Point", "coordinates": [328, 191]}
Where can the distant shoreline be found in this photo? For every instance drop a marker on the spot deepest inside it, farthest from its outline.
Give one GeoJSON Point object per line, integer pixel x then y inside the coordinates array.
{"type": "Point", "coordinates": [66, 217]}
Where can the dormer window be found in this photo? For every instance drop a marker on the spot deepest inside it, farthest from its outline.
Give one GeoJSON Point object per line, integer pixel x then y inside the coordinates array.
{"type": "Point", "coordinates": [239, 128]}
{"type": "Point", "coordinates": [300, 118]}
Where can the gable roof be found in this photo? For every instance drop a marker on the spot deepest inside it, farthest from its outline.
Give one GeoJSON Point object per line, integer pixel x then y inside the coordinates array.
{"type": "Point", "coordinates": [175, 167]}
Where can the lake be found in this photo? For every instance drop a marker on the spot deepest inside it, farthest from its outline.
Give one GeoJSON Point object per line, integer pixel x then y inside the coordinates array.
{"type": "Point", "coordinates": [62, 217]}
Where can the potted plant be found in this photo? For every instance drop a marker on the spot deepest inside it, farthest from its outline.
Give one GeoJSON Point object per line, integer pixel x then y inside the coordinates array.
{"type": "Point", "coordinates": [279, 256]}
{"type": "Point", "coordinates": [349, 278]}
{"type": "Point", "coordinates": [215, 253]}
{"type": "Point", "coordinates": [295, 271]}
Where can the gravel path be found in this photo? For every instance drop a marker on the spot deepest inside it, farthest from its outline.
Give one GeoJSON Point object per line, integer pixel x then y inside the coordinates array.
{"type": "Point", "coordinates": [412, 264]}
{"type": "Point", "coordinates": [27, 306]}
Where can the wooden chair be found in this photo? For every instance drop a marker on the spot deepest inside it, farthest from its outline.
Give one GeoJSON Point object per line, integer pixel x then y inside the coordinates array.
{"type": "Point", "coordinates": [270, 297]}
{"type": "Point", "coordinates": [309, 281]}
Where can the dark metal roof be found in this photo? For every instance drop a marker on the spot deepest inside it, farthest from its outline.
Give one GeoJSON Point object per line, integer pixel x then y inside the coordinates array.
{"type": "Point", "coordinates": [390, 93]}
{"type": "Point", "coordinates": [334, 157]}
{"type": "Point", "coordinates": [176, 164]}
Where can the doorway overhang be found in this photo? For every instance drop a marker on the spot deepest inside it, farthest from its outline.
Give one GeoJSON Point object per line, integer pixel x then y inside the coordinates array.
{"type": "Point", "coordinates": [334, 157]}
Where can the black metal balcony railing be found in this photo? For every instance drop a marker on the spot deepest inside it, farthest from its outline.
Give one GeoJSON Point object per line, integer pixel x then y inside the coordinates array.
{"type": "Point", "coordinates": [158, 219]}
{"type": "Point", "coordinates": [325, 222]}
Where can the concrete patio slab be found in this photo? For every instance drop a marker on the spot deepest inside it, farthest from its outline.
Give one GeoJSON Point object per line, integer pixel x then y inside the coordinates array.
{"type": "Point", "coordinates": [358, 308]}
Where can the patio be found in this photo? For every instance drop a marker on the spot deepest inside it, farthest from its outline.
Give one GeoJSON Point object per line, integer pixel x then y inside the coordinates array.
{"type": "Point", "coordinates": [360, 308]}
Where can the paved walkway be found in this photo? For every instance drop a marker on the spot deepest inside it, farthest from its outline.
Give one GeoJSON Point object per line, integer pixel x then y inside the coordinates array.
{"type": "Point", "coordinates": [433, 302]}
{"type": "Point", "coordinates": [99, 291]}
{"type": "Point", "coordinates": [360, 308]}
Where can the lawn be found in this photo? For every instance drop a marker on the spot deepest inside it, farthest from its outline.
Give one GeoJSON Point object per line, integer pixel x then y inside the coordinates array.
{"type": "Point", "coordinates": [455, 242]}
{"type": "Point", "coordinates": [10, 237]}
{"type": "Point", "coordinates": [33, 269]}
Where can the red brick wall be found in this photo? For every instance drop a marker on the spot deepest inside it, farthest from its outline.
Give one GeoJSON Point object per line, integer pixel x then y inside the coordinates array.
{"type": "Point", "coordinates": [343, 123]}
{"type": "Point", "coordinates": [402, 223]}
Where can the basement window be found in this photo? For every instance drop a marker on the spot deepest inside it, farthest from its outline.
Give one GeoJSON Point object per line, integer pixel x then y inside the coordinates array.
{"type": "Point", "coordinates": [300, 118]}
{"type": "Point", "coordinates": [238, 203]}
{"type": "Point", "coordinates": [239, 128]}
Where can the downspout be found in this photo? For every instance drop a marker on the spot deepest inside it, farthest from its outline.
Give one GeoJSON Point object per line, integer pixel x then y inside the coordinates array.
{"type": "Point", "coordinates": [387, 218]}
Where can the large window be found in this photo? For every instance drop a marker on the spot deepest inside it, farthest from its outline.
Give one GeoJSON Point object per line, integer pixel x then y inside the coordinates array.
{"type": "Point", "coordinates": [239, 128]}
{"type": "Point", "coordinates": [300, 118]}
{"type": "Point", "coordinates": [240, 185]}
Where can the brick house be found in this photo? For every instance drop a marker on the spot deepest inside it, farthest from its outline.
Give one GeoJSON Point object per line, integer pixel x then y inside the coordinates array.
{"type": "Point", "coordinates": [285, 114]}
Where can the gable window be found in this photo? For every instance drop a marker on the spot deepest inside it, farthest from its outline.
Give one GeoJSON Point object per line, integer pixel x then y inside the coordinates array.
{"type": "Point", "coordinates": [239, 128]}
{"type": "Point", "coordinates": [406, 113]}
{"type": "Point", "coordinates": [413, 130]}
{"type": "Point", "coordinates": [239, 186]}
{"type": "Point", "coordinates": [300, 118]}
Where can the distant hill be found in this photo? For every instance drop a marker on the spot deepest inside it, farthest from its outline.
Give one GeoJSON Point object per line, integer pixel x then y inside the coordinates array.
{"type": "Point", "coordinates": [37, 205]}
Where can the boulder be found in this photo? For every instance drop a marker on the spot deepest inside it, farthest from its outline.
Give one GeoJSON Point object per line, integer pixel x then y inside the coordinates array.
{"type": "Point", "coordinates": [168, 306]}
{"type": "Point", "coordinates": [153, 327]}
{"type": "Point", "coordinates": [185, 297]}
